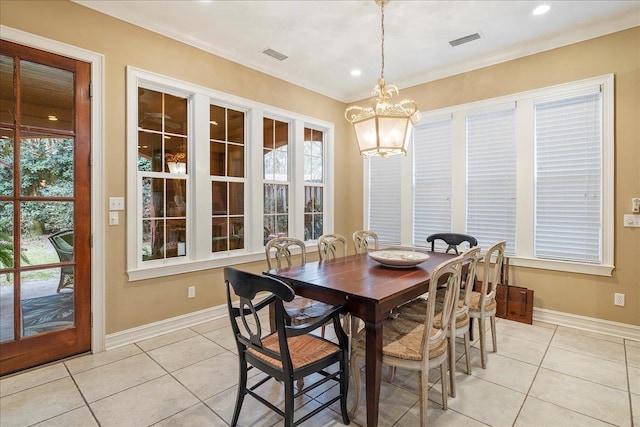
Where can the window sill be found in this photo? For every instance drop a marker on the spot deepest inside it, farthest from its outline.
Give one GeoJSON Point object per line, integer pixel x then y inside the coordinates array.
{"type": "Point", "coordinates": [565, 266]}
{"type": "Point", "coordinates": [188, 266]}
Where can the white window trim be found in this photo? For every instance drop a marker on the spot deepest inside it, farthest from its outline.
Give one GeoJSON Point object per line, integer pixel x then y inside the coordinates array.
{"type": "Point", "coordinates": [199, 255]}
{"type": "Point", "coordinates": [525, 172]}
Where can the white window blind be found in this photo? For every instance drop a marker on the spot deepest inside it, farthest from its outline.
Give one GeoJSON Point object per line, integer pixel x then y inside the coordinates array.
{"type": "Point", "coordinates": [432, 147]}
{"type": "Point", "coordinates": [384, 198]}
{"type": "Point", "coordinates": [568, 213]}
{"type": "Point", "coordinates": [491, 178]}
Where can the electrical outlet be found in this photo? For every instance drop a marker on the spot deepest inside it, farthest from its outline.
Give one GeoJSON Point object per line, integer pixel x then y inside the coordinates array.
{"type": "Point", "coordinates": [635, 205]}
{"type": "Point", "coordinates": [618, 299]}
{"type": "Point", "coordinates": [191, 292]}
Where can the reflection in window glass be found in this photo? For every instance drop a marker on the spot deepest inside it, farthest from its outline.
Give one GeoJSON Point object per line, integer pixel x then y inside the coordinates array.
{"type": "Point", "coordinates": [49, 312]}
{"type": "Point", "coordinates": [6, 162]}
{"type": "Point", "coordinates": [7, 99]}
{"type": "Point", "coordinates": [314, 183]}
{"type": "Point", "coordinates": [39, 108]}
{"type": "Point", "coordinates": [163, 149]}
{"type": "Point", "coordinates": [276, 176]}
{"type": "Point", "coordinates": [227, 170]}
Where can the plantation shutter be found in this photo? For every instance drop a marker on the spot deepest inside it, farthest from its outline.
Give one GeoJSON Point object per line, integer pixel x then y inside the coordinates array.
{"type": "Point", "coordinates": [568, 213]}
{"type": "Point", "coordinates": [384, 198]}
{"type": "Point", "coordinates": [432, 181]}
{"type": "Point", "coordinates": [491, 178]}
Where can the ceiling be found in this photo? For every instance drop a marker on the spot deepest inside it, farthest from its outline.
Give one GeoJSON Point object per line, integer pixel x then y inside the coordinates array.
{"type": "Point", "coordinates": [325, 40]}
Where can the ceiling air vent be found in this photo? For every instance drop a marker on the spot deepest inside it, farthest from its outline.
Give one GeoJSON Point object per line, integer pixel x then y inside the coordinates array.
{"type": "Point", "coordinates": [465, 39]}
{"type": "Point", "coordinates": [275, 54]}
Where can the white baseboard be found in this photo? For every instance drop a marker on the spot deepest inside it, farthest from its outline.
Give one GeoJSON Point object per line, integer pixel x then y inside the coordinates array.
{"type": "Point", "coordinates": [592, 324]}
{"type": "Point", "coordinates": [155, 329]}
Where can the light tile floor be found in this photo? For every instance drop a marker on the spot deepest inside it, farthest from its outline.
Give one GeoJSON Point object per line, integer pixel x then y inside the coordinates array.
{"type": "Point", "coordinates": [542, 375]}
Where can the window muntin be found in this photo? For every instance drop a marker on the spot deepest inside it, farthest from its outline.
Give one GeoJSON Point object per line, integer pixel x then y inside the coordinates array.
{"type": "Point", "coordinates": [568, 179]}
{"type": "Point", "coordinates": [314, 183]}
{"type": "Point", "coordinates": [227, 173]}
{"type": "Point", "coordinates": [276, 178]}
{"type": "Point", "coordinates": [162, 144]}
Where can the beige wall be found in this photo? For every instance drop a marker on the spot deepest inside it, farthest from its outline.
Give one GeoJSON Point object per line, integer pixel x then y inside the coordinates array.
{"type": "Point", "coordinates": [131, 304]}
{"type": "Point", "coordinates": [618, 53]}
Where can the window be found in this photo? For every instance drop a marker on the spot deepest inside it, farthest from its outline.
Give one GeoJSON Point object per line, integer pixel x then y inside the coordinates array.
{"type": "Point", "coordinates": [491, 178]}
{"type": "Point", "coordinates": [568, 179]}
{"type": "Point", "coordinates": [313, 183]}
{"type": "Point", "coordinates": [213, 177]}
{"type": "Point", "coordinates": [162, 162]}
{"type": "Point", "coordinates": [432, 180]}
{"type": "Point", "coordinates": [384, 182]}
{"type": "Point", "coordinates": [533, 168]}
{"type": "Point", "coordinates": [226, 164]}
{"type": "Point", "coordinates": [276, 178]}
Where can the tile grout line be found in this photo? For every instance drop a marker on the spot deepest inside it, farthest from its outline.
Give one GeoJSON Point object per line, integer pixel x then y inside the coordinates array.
{"type": "Point", "coordinates": [526, 396]}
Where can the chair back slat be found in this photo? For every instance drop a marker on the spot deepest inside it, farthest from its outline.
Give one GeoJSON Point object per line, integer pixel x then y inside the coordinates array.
{"type": "Point", "coordinates": [453, 240]}
{"type": "Point", "coordinates": [470, 263]}
{"type": "Point", "coordinates": [361, 240]}
{"type": "Point", "coordinates": [491, 273]}
{"type": "Point", "coordinates": [329, 244]}
{"type": "Point", "coordinates": [281, 247]}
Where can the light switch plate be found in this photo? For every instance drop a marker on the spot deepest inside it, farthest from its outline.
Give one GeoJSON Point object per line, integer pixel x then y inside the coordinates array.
{"type": "Point", "coordinates": [114, 218]}
{"type": "Point", "coordinates": [631, 220]}
{"type": "Point", "coordinates": [116, 203]}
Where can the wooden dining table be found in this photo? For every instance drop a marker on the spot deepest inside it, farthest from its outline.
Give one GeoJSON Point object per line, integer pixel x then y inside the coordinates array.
{"type": "Point", "coordinates": [369, 291]}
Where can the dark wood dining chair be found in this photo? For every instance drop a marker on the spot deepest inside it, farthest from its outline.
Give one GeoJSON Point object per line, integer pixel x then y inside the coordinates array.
{"type": "Point", "coordinates": [453, 240]}
{"type": "Point", "coordinates": [287, 354]}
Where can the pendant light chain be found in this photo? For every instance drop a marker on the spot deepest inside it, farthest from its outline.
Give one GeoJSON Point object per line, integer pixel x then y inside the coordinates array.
{"type": "Point", "coordinates": [382, 37]}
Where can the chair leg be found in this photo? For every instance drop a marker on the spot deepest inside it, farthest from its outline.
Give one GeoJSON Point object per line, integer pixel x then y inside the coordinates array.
{"type": "Point", "coordinates": [483, 342]}
{"type": "Point", "coordinates": [467, 351]}
{"type": "Point", "coordinates": [493, 334]}
{"type": "Point", "coordinates": [288, 403]}
{"type": "Point", "coordinates": [424, 396]}
{"type": "Point", "coordinates": [391, 373]}
{"type": "Point", "coordinates": [355, 374]}
{"type": "Point", "coordinates": [242, 391]}
{"type": "Point", "coordinates": [443, 380]}
{"type": "Point", "coordinates": [452, 365]}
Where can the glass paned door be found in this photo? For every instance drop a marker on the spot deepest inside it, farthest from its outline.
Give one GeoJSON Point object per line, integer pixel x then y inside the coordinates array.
{"type": "Point", "coordinates": [45, 253]}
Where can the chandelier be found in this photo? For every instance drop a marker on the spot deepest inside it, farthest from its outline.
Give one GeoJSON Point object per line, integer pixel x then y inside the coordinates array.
{"type": "Point", "coordinates": [383, 128]}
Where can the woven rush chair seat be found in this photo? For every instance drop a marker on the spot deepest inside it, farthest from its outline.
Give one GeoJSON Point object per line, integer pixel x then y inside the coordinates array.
{"type": "Point", "coordinates": [402, 338]}
{"type": "Point", "coordinates": [304, 350]}
{"type": "Point", "coordinates": [474, 303]}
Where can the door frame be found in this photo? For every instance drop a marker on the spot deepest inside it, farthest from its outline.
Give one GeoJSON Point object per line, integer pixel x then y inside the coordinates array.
{"type": "Point", "coordinates": [97, 167]}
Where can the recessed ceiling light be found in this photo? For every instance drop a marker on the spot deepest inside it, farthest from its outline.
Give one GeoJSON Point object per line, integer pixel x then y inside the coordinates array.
{"type": "Point", "coordinates": [356, 72]}
{"type": "Point", "coordinates": [542, 9]}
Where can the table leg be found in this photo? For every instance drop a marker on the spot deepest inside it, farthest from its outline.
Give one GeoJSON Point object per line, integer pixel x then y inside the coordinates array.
{"type": "Point", "coordinates": [373, 370]}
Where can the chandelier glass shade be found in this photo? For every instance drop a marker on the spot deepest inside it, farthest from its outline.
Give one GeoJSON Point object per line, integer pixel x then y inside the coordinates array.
{"type": "Point", "coordinates": [383, 128]}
